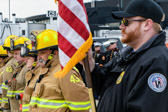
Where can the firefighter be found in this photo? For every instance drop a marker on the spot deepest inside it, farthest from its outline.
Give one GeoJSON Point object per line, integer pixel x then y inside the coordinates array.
{"type": "Point", "coordinates": [3, 60]}
{"type": "Point", "coordinates": [136, 80]}
{"type": "Point", "coordinates": [111, 49]}
{"type": "Point", "coordinates": [51, 94]}
{"type": "Point", "coordinates": [99, 56]}
{"type": "Point", "coordinates": [7, 72]}
{"type": "Point", "coordinates": [17, 83]}
{"type": "Point", "coordinates": [31, 76]}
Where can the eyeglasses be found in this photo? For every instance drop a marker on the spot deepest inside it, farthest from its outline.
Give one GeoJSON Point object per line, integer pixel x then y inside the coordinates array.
{"type": "Point", "coordinates": [125, 22]}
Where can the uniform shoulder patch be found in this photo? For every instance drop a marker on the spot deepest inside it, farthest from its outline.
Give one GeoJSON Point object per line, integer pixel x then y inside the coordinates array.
{"type": "Point", "coordinates": [157, 82]}
{"type": "Point", "coordinates": [9, 69]}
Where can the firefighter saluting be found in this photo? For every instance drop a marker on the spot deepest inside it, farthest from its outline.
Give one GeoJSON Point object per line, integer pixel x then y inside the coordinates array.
{"type": "Point", "coordinates": [51, 94]}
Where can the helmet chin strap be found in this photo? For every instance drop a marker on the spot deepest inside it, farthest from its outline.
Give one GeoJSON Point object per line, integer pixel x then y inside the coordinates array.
{"type": "Point", "coordinates": [34, 65]}
{"type": "Point", "coordinates": [50, 57]}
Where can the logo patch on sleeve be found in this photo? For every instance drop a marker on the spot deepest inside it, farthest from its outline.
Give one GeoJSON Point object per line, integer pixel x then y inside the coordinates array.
{"type": "Point", "coordinates": [157, 82]}
{"type": "Point", "coordinates": [9, 69]}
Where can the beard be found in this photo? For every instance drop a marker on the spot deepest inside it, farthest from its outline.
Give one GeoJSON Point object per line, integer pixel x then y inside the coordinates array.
{"type": "Point", "coordinates": [130, 36]}
{"type": "Point", "coordinates": [42, 62]}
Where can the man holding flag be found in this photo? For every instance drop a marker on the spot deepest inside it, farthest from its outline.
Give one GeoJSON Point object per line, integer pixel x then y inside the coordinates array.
{"type": "Point", "coordinates": [136, 79]}
{"type": "Point", "coordinates": [50, 94]}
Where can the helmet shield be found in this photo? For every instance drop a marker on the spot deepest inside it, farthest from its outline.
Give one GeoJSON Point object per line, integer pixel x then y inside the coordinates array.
{"type": "Point", "coordinates": [24, 50]}
{"type": "Point", "coordinates": [11, 44]}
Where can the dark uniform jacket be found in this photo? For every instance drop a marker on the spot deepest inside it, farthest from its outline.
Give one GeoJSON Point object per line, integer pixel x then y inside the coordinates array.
{"type": "Point", "coordinates": [99, 58]}
{"type": "Point", "coordinates": [135, 81]}
{"type": "Point", "coordinates": [109, 55]}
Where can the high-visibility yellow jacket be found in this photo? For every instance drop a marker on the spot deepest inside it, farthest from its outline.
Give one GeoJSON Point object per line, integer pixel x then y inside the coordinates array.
{"type": "Point", "coordinates": [67, 94]}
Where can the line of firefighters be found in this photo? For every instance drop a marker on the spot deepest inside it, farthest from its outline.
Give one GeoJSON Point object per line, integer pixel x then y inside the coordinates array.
{"type": "Point", "coordinates": [27, 77]}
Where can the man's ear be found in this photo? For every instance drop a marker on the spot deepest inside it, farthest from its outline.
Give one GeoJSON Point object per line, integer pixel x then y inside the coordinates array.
{"type": "Point", "coordinates": [56, 52]}
{"type": "Point", "coordinates": [148, 24]}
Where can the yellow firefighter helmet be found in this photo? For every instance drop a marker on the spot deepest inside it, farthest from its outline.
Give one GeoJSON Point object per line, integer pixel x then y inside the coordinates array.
{"type": "Point", "coordinates": [46, 40]}
{"type": "Point", "coordinates": [6, 44]}
{"type": "Point", "coordinates": [19, 42]}
{"type": "Point", "coordinates": [3, 52]}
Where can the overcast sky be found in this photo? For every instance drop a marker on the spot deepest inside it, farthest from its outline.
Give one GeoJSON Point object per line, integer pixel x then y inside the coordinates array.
{"type": "Point", "coordinates": [27, 8]}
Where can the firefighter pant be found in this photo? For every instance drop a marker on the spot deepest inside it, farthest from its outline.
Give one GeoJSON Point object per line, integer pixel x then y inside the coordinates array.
{"type": "Point", "coordinates": [5, 104]}
{"type": "Point", "coordinates": [14, 105]}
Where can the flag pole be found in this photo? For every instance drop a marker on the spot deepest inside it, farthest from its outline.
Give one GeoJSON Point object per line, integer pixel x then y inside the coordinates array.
{"type": "Point", "coordinates": [89, 83]}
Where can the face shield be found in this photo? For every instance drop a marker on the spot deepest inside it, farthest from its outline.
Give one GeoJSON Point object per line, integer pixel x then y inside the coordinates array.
{"type": "Point", "coordinates": [24, 50]}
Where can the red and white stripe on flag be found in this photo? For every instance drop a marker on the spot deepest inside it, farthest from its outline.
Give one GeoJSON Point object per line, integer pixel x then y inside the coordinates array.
{"type": "Point", "coordinates": [74, 36]}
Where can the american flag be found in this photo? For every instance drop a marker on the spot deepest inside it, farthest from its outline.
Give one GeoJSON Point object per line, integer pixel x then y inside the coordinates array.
{"type": "Point", "coordinates": [74, 36]}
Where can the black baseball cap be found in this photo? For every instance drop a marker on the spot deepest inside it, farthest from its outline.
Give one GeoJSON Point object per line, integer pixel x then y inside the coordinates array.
{"type": "Point", "coordinates": [145, 8]}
